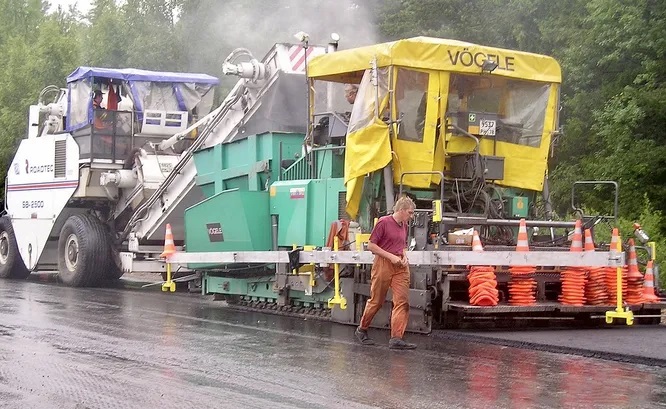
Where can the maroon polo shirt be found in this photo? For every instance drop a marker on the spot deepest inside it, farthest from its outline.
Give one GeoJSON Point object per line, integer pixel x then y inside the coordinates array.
{"type": "Point", "coordinates": [389, 235]}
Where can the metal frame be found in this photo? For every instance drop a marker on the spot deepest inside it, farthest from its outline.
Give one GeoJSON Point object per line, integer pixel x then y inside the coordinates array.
{"type": "Point", "coordinates": [417, 258]}
{"type": "Point", "coordinates": [596, 182]}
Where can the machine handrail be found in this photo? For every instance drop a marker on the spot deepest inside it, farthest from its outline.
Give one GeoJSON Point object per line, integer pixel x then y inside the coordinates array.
{"type": "Point", "coordinates": [300, 170]}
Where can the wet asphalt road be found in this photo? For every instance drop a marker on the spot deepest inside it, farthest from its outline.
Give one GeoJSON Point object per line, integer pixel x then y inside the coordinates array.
{"type": "Point", "coordinates": [113, 348]}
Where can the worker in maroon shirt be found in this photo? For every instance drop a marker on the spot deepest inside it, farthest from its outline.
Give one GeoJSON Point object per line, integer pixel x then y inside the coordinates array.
{"type": "Point", "coordinates": [389, 270]}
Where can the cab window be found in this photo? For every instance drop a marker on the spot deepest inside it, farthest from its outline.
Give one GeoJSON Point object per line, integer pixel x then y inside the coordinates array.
{"type": "Point", "coordinates": [410, 103]}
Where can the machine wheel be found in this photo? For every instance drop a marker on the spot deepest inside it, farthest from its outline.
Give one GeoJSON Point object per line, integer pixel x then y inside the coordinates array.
{"type": "Point", "coordinates": [11, 263]}
{"type": "Point", "coordinates": [80, 261]}
{"type": "Point", "coordinates": [114, 269]}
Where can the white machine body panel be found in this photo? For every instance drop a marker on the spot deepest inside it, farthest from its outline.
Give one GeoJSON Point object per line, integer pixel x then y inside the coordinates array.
{"type": "Point", "coordinates": [40, 181]}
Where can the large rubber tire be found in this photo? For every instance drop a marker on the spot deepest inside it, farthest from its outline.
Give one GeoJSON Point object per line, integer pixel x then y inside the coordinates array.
{"type": "Point", "coordinates": [11, 263]}
{"type": "Point", "coordinates": [113, 270]}
{"type": "Point", "coordinates": [83, 255]}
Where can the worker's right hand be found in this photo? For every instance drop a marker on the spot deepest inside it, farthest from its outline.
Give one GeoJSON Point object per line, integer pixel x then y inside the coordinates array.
{"type": "Point", "coordinates": [395, 259]}
{"type": "Point", "coordinates": [403, 261]}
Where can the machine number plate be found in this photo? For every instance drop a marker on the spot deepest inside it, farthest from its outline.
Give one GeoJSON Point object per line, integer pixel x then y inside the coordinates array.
{"type": "Point", "coordinates": [32, 204]}
{"type": "Point", "coordinates": [487, 127]}
{"type": "Point", "coordinates": [166, 167]}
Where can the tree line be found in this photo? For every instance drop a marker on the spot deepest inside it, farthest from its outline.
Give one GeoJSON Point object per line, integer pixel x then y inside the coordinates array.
{"type": "Point", "coordinates": [612, 53]}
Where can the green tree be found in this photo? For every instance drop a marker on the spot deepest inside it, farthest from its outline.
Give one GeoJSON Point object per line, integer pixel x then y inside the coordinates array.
{"type": "Point", "coordinates": [37, 50]}
{"type": "Point", "coordinates": [105, 38]}
{"type": "Point", "coordinates": [137, 34]}
{"type": "Point", "coordinates": [155, 39]}
{"type": "Point", "coordinates": [618, 101]}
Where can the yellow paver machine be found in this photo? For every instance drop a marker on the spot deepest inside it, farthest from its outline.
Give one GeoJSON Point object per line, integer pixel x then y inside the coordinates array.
{"type": "Point", "coordinates": [466, 131]}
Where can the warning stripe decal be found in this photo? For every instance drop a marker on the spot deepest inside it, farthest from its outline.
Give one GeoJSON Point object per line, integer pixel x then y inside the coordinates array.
{"type": "Point", "coordinates": [40, 186]}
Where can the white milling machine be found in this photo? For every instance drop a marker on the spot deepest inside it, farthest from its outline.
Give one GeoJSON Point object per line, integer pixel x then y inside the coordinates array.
{"type": "Point", "coordinates": [90, 191]}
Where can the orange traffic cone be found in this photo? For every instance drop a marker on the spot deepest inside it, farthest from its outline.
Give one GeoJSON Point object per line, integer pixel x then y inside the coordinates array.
{"type": "Point", "coordinates": [577, 239]}
{"type": "Point", "coordinates": [589, 243]}
{"type": "Point", "coordinates": [482, 280]}
{"type": "Point", "coordinates": [633, 261]}
{"type": "Point", "coordinates": [615, 238]}
{"type": "Point", "coordinates": [483, 286]}
{"type": "Point", "coordinates": [611, 272]}
{"type": "Point", "coordinates": [522, 285]}
{"type": "Point", "coordinates": [634, 278]}
{"type": "Point", "coordinates": [595, 287]}
{"type": "Point", "coordinates": [476, 242]}
{"type": "Point", "coordinates": [573, 279]}
{"type": "Point", "coordinates": [169, 246]}
{"type": "Point", "coordinates": [648, 285]}
{"type": "Point", "coordinates": [522, 244]}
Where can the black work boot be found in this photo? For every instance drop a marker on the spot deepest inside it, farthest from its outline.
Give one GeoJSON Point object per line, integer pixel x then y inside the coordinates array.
{"type": "Point", "coordinates": [399, 343]}
{"type": "Point", "coordinates": [362, 336]}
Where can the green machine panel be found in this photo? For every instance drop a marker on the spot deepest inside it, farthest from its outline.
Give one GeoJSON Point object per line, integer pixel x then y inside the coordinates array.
{"type": "Point", "coordinates": [306, 209]}
{"type": "Point", "coordinates": [229, 221]}
{"type": "Point", "coordinates": [517, 206]}
{"type": "Point", "coordinates": [245, 164]}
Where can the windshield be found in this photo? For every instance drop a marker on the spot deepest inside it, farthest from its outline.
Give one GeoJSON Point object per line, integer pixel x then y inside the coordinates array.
{"type": "Point", "coordinates": [507, 109]}
{"type": "Point", "coordinates": [140, 96]}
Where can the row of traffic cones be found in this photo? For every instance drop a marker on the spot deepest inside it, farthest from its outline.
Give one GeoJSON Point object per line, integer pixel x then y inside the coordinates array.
{"type": "Point", "coordinates": [600, 283]}
{"type": "Point", "coordinates": [580, 285]}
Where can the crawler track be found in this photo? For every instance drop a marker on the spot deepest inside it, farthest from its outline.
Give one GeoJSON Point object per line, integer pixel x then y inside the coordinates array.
{"type": "Point", "coordinates": [282, 310]}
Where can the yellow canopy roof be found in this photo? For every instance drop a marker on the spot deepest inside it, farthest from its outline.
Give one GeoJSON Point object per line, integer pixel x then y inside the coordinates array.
{"type": "Point", "coordinates": [434, 54]}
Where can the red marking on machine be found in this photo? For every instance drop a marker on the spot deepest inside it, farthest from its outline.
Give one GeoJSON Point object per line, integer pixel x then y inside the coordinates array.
{"type": "Point", "coordinates": [297, 193]}
{"type": "Point", "coordinates": [297, 57]}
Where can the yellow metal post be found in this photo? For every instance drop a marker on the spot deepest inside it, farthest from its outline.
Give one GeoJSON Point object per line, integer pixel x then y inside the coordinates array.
{"type": "Point", "coordinates": [619, 312]}
{"type": "Point", "coordinates": [361, 239]}
{"type": "Point", "coordinates": [169, 285]}
{"type": "Point", "coordinates": [337, 298]}
{"type": "Point", "coordinates": [653, 250]}
{"type": "Point", "coordinates": [310, 268]}
{"type": "Point", "coordinates": [436, 211]}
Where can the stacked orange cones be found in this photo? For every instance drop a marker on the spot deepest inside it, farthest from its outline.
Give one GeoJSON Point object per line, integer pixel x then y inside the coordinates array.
{"type": "Point", "coordinates": [522, 285]}
{"type": "Point", "coordinates": [634, 278]}
{"type": "Point", "coordinates": [648, 284]}
{"type": "Point", "coordinates": [573, 278]}
{"type": "Point", "coordinates": [482, 280]}
{"type": "Point", "coordinates": [611, 272]}
{"type": "Point", "coordinates": [595, 288]}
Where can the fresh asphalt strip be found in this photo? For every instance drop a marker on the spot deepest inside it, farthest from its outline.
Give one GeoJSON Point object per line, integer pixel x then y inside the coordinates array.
{"type": "Point", "coordinates": [644, 345]}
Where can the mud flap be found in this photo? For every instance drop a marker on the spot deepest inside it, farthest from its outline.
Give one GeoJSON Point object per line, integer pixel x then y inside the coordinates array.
{"type": "Point", "coordinates": [349, 314]}
{"type": "Point", "coordinates": [420, 316]}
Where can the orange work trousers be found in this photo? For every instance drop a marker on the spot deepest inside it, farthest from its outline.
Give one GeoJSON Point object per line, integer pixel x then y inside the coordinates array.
{"type": "Point", "coordinates": [385, 275]}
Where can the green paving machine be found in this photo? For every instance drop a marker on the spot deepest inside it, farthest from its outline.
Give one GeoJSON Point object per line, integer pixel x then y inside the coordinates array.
{"type": "Point", "coordinates": [291, 195]}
